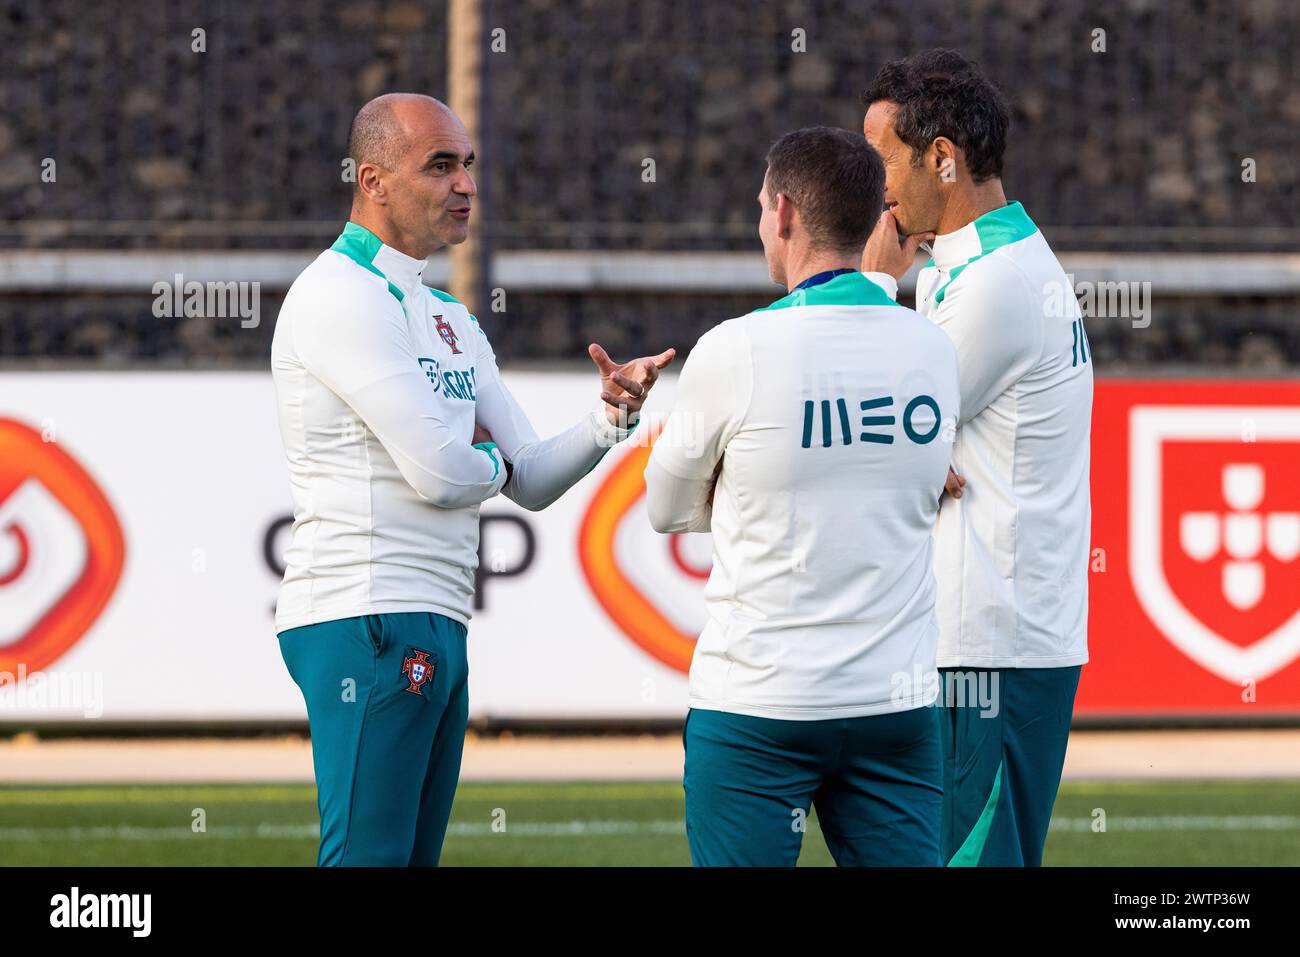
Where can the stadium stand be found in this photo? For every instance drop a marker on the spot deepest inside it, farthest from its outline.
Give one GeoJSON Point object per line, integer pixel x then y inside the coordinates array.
{"type": "Point", "coordinates": [1136, 150]}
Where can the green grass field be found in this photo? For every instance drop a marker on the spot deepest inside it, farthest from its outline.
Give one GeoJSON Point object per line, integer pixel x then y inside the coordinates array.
{"type": "Point", "coordinates": [599, 823]}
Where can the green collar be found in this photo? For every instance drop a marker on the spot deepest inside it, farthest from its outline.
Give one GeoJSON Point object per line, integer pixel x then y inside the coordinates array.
{"type": "Point", "coordinates": [997, 228]}
{"type": "Point", "coordinates": [1000, 227]}
{"type": "Point", "coordinates": [362, 246]}
{"type": "Point", "coordinates": [851, 289]}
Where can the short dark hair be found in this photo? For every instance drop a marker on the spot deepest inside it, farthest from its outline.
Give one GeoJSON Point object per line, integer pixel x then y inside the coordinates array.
{"type": "Point", "coordinates": [834, 178]}
{"type": "Point", "coordinates": [941, 93]}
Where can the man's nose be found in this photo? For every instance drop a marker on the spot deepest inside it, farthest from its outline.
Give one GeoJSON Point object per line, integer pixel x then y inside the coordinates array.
{"type": "Point", "coordinates": [466, 186]}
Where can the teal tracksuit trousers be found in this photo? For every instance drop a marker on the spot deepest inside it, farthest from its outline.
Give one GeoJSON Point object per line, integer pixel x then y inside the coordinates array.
{"type": "Point", "coordinates": [388, 701]}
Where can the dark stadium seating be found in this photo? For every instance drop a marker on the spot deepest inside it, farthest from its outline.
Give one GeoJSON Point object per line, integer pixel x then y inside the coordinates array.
{"type": "Point", "coordinates": [1136, 149]}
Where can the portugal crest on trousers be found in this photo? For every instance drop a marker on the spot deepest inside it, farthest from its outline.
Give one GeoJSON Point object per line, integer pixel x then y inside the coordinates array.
{"type": "Point", "coordinates": [418, 669]}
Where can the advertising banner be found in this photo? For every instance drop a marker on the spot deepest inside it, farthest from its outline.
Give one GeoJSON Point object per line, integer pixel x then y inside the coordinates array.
{"type": "Point", "coordinates": [143, 517]}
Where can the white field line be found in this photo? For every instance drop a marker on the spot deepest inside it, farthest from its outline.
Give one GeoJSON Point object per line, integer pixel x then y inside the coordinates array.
{"type": "Point", "coordinates": [1236, 822]}
{"type": "Point", "coordinates": [1092, 756]}
{"type": "Point", "coordinates": [612, 828]}
{"type": "Point", "coordinates": [303, 831]}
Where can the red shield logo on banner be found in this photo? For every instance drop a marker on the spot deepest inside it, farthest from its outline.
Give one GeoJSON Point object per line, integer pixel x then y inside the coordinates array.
{"type": "Point", "coordinates": [1214, 532]}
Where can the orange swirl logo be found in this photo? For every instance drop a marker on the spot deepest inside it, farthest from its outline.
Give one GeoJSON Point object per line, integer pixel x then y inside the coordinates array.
{"type": "Point", "coordinates": [61, 549]}
{"type": "Point", "coordinates": [610, 534]}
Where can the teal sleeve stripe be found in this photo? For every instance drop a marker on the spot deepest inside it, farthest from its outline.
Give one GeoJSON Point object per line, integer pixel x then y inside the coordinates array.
{"type": "Point", "coordinates": [968, 855]}
{"type": "Point", "coordinates": [943, 290]}
{"type": "Point", "coordinates": [995, 229]}
{"type": "Point", "coordinates": [445, 296]}
{"type": "Point", "coordinates": [361, 246]}
{"type": "Point", "coordinates": [489, 449]}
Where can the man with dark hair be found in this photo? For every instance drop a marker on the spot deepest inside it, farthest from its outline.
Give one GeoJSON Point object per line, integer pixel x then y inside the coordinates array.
{"type": "Point", "coordinates": [811, 437]}
{"type": "Point", "coordinates": [1011, 547]}
{"type": "Point", "coordinates": [834, 183]}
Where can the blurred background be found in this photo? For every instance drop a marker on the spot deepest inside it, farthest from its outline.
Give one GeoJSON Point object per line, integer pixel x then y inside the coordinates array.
{"type": "Point", "coordinates": [151, 153]}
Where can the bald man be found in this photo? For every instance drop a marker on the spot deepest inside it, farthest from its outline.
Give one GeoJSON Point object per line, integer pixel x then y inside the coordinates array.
{"type": "Point", "coordinates": [396, 426]}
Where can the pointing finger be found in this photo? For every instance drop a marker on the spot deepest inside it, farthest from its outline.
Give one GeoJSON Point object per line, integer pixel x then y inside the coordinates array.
{"type": "Point", "coordinates": [601, 358]}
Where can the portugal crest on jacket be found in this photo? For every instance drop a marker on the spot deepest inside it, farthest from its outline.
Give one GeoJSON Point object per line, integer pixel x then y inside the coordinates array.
{"type": "Point", "coordinates": [447, 332]}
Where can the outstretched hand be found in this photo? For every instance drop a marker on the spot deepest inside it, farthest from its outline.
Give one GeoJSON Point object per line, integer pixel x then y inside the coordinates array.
{"type": "Point", "coordinates": [624, 388]}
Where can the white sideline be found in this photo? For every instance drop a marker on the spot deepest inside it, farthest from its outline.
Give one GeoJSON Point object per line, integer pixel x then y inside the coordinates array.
{"type": "Point", "coordinates": [1093, 755]}
{"type": "Point", "coordinates": [607, 828]}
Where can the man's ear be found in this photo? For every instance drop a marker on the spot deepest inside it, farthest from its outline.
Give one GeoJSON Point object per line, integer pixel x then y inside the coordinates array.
{"type": "Point", "coordinates": [784, 215]}
{"type": "Point", "coordinates": [944, 159]}
{"type": "Point", "coordinates": [371, 183]}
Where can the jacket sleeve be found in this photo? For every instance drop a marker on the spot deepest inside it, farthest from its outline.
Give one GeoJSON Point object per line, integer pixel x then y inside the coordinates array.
{"type": "Point", "coordinates": [991, 321]}
{"type": "Point", "coordinates": [356, 342]}
{"type": "Point", "coordinates": [543, 469]}
{"type": "Point", "coordinates": [713, 395]}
